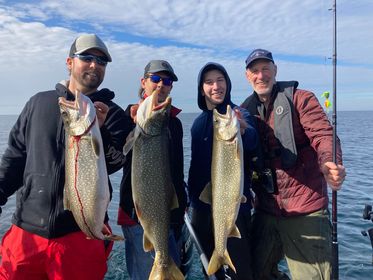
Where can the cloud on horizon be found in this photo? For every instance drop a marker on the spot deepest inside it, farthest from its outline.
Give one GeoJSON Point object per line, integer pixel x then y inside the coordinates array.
{"type": "Point", "coordinates": [36, 38]}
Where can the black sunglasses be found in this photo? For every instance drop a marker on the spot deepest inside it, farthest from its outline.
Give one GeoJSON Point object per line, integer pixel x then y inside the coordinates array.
{"type": "Point", "coordinates": [89, 58]}
{"type": "Point", "coordinates": [156, 79]}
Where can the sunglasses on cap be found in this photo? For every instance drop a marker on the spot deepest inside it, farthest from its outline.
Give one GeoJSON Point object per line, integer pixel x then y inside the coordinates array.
{"type": "Point", "coordinates": [89, 58]}
{"type": "Point", "coordinates": [156, 79]}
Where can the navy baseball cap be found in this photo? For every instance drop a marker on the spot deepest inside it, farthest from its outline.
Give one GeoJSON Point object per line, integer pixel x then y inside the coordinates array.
{"type": "Point", "coordinates": [258, 54]}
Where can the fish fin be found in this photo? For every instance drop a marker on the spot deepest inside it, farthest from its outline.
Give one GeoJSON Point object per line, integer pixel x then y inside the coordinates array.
{"type": "Point", "coordinates": [206, 194]}
{"type": "Point", "coordinates": [243, 199]}
{"type": "Point", "coordinates": [147, 244]}
{"type": "Point", "coordinates": [175, 201]}
{"type": "Point", "coordinates": [228, 261]}
{"type": "Point", "coordinates": [96, 146]}
{"type": "Point", "coordinates": [235, 232]}
{"type": "Point", "coordinates": [170, 271]}
{"type": "Point", "coordinates": [113, 237]}
{"type": "Point", "coordinates": [130, 140]}
{"type": "Point", "coordinates": [108, 235]}
{"type": "Point", "coordinates": [216, 262]}
{"type": "Point", "coordinates": [138, 211]}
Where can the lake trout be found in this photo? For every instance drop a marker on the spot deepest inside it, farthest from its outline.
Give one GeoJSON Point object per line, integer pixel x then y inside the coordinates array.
{"type": "Point", "coordinates": [225, 192]}
{"type": "Point", "coordinates": [153, 192]}
{"type": "Point", "coordinates": [86, 190]}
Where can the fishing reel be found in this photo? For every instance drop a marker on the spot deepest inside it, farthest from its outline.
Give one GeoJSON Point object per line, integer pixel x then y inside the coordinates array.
{"type": "Point", "coordinates": [368, 215]}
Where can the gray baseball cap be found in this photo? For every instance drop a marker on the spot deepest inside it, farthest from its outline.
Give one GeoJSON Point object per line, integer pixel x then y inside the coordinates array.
{"type": "Point", "coordinates": [87, 42]}
{"type": "Point", "coordinates": [155, 66]}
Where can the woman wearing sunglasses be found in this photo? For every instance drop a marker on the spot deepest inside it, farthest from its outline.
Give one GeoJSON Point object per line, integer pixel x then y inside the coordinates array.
{"type": "Point", "coordinates": [158, 75]}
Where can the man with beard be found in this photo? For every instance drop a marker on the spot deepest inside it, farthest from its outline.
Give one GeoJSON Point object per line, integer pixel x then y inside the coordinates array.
{"type": "Point", "coordinates": [44, 241]}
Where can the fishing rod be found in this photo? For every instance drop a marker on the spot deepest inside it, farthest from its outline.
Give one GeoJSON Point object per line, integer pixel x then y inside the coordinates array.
{"type": "Point", "coordinates": [335, 254]}
{"type": "Point", "coordinates": [202, 255]}
{"type": "Point", "coordinates": [368, 215]}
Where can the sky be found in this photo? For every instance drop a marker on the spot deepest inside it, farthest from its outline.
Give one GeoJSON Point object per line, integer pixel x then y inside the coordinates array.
{"type": "Point", "coordinates": [35, 38]}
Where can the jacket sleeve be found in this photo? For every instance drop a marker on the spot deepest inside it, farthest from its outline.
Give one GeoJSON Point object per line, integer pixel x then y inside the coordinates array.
{"type": "Point", "coordinates": [113, 134]}
{"type": "Point", "coordinates": [13, 160]}
{"type": "Point", "coordinates": [316, 126]}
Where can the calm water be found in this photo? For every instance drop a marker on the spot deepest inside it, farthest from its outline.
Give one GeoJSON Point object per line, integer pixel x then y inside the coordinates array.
{"type": "Point", "coordinates": [355, 130]}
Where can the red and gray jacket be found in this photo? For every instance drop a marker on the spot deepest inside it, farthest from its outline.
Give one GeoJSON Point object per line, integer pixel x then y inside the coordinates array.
{"type": "Point", "coordinates": [293, 147]}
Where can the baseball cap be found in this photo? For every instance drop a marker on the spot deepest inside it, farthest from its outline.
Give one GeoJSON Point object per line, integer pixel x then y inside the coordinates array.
{"type": "Point", "coordinates": [155, 66]}
{"type": "Point", "coordinates": [258, 54]}
{"type": "Point", "coordinates": [86, 42]}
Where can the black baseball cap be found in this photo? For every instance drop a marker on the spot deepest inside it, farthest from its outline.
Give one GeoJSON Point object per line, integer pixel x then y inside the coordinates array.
{"type": "Point", "coordinates": [258, 54]}
{"type": "Point", "coordinates": [155, 66]}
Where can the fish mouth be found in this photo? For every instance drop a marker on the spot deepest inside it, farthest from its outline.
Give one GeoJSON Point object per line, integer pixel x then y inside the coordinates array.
{"type": "Point", "coordinates": [68, 103]}
{"type": "Point", "coordinates": [156, 106]}
{"type": "Point", "coordinates": [71, 104]}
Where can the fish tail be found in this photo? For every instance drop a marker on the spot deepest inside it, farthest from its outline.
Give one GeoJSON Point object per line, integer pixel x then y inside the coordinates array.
{"type": "Point", "coordinates": [217, 261]}
{"type": "Point", "coordinates": [165, 272]}
{"type": "Point", "coordinates": [113, 237]}
{"type": "Point", "coordinates": [174, 272]}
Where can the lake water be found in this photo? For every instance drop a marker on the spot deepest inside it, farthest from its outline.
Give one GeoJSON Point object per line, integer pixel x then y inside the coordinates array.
{"type": "Point", "coordinates": [355, 130]}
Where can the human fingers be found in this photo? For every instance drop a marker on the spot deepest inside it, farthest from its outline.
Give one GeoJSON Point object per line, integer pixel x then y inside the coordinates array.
{"type": "Point", "coordinates": [101, 107]}
{"type": "Point", "coordinates": [133, 111]}
{"type": "Point", "coordinates": [335, 179]}
{"type": "Point", "coordinates": [243, 123]}
{"type": "Point", "coordinates": [101, 112]}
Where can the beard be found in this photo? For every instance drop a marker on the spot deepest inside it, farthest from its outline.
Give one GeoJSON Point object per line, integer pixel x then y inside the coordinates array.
{"type": "Point", "coordinates": [90, 79]}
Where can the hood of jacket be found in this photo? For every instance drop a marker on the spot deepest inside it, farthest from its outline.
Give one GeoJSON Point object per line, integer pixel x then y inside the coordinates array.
{"type": "Point", "coordinates": [201, 99]}
{"type": "Point", "coordinates": [103, 95]}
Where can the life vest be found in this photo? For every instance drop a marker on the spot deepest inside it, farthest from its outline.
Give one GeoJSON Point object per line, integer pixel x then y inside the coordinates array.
{"type": "Point", "coordinates": [283, 108]}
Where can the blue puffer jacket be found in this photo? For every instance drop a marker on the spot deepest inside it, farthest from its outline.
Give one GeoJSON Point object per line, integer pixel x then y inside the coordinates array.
{"type": "Point", "coordinates": [202, 134]}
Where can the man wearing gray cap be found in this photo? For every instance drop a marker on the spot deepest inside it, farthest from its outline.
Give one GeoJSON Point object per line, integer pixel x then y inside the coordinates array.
{"type": "Point", "coordinates": [44, 241]}
{"type": "Point", "coordinates": [292, 171]}
{"type": "Point", "coordinates": [158, 76]}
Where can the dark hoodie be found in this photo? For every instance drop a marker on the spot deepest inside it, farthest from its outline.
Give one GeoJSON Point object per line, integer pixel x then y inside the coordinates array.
{"type": "Point", "coordinates": [202, 132]}
{"type": "Point", "coordinates": [33, 165]}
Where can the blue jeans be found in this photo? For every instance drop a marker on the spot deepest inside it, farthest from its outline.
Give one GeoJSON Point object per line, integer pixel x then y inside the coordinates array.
{"type": "Point", "coordinates": [139, 263]}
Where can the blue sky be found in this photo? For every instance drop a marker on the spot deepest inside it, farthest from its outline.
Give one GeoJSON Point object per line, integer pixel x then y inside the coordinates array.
{"type": "Point", "coordinates": [36, 37]}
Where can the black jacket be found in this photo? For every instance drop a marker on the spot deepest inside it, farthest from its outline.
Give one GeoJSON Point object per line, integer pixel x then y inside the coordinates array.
{"type": "Point", "coordinates": [33, 165]}
{"type": "Point", "coordinates": [177, 172]}
{"type": "Point", "coordinates": [202, 142]}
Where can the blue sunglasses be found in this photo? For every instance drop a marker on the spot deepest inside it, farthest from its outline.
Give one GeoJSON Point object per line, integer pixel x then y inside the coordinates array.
{"type": "Point", "coordinates": [156, 79]}
{"type": "Point", "coordinates": [89, 58]}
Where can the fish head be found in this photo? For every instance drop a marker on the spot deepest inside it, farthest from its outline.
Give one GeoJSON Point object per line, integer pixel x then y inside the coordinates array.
{"type": "Point", "coordinates": [226, 126]}
{"type": "Point", "coordinates": [77, 115]}
{"type": "Point", "coordinates": [152, 116]}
